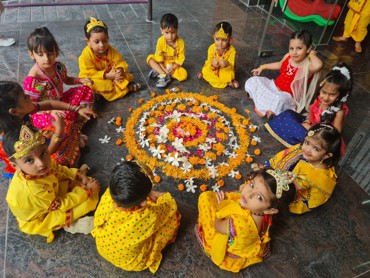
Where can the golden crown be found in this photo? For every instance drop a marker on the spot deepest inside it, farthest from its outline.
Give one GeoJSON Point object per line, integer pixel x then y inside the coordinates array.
{"type": "Point", "coordinates": [283, 179]}
{"type": "Point", "coordinates": [93, 23]}
{"type": "Point", "coordinates": [221, 33]}
{"type": "Point", "coordinates": [28, 140]}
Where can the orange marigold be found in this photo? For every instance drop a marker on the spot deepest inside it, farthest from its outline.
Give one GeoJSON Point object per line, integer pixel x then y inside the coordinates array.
{"type": "Point", "coordinates": [249, 159]}
{"type": "Point", "coordinates": [181, 187]}
{"type": "Point", "coordinates": [129, 157]}
{"type": "Point", "coordinates": [153, 94]}
{"type": "Point", "coordinates": [141, 100]}
{"type": "Point", "coordinates": [119, 142]}
{"type": "Point", "coordinates": [168, 91]}
{"type": "Point", "coordinates": [253, 142]}
{"type": "Point", "coordinates": [203, 187]}
{"type": "Point", "coordinates": [252, 128]}
{"type": "Point", "coordinates": [257, 151]}
{"type": "Point", "coordinates": [238, 176]}
{"type": "Point", "coordinates": [130, 109]}
{"type": "Point", "coordinates": [157, 179]}
{"type": "Point", "coordinates": [221, 183]}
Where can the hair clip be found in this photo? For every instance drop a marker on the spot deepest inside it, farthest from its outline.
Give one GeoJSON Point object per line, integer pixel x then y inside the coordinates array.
{"type": "Point", "coordinates": [322, 126]}
{"type": "Point", "coordinates": [28, 140]}
{"type": "Point", "coordinates": [283, 179]}
{"type": "Point", "coordinates": [344, 71]}
{"type": "Point", "coordinates": [93, 23]}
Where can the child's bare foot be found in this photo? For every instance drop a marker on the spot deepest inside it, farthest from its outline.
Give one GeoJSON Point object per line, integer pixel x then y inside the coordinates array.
{"type": "Point", "coordinates": [340, 39]}
{"type": "Point", "coordinates": [84, 169]}
{"type": "Point", "coordinates": [200, 75]}
{"type": "Point", "coordinates": [234, 84]}
{"type": "Point", "coordinates": [83, 140]}
{"type": "Point", "coordinates": [358, 47]}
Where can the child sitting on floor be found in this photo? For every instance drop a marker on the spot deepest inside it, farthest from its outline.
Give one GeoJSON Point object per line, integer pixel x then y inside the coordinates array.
{"type": "Point", "coordinates": [169, 55]}
{"type": "Point", "coordinates": [42, 195]}
{"type": "Point", "coordinates": [133, 223]}
{"type": "Point", "coordinates": [294, 87]}
{"type": "Point", "coordinates": [233, 228]}
{"type": "Point", "coordinates": [104, 64]}
{"type": "Point", "coordinates": [313, 162]}
{"type": "Point", "coordinates": [219, 68]}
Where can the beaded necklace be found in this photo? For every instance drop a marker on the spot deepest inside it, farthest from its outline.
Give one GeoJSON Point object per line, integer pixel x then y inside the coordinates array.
{"type": "Point", "coordinates": [52, 83]}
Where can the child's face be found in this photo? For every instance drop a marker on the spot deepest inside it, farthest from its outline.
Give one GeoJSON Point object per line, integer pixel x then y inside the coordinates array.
{"type": "Point", "coordinates": [298, 50]}
{"type": "Point", "coordinates": [170, 34]}
{"type": "Point", "coordinates": [35, 163]}
{"type": "Point", "coordinates": [222, 43]}
{"type": "Point", "coordinates": [329, 94]}
{"type": "Point", "coordinates": [24, 106]}
{"type": "Point", "coordinates": [256, 196]}
{"type": "Point", "coordinates": [313, 150]}
{"type": "Point", "coordinates": [99, 43]}
{"type": "Point", "coordinates": [44, 59]}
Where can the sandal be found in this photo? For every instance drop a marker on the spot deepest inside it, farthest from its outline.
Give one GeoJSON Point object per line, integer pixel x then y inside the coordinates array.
{"type": "Point", "coordinates": [134, 87]}
{"type": "Point", "coordinates": [163, 81]}
{"type": "Point", "coordinates": [234, 84]}
{"type": "Point", "coordinates": [153, 74]}
{"type": "Point", "coordinates": [200, 75]}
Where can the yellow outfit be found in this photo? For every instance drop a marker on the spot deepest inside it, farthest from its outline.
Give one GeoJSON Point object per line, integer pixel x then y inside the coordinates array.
{"type": "Point", "coordinates": [94, 68]}
{"type": "Point", "coordinates": [314, 185]}
{"type": "Point", "coordinates": [357, 20]}
{"type": "Point", "coordinates": [242, 246]}
{"type": "Point", "coordinates": [43, 204]}
{"type": "Point", "coordinates": [219, 77]}
{"type": "Point", "coordinates": [133, 239]}
{"type": "Point", "coordinates": [169, 55]}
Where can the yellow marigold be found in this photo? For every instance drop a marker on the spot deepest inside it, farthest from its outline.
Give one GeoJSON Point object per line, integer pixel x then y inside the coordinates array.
{"type": "Point", "coordinates": [246, 122]}
{"type": "Point", "coordinates": [161, 107]}
{"type": "Point", "coordinates": [205, 108]}
{"type": "Point", "coordinates": [210, 155]}
{"type": "Point", "coordinates": [119, 142]}
{"type": "Point", "coordinates": [233, 110]}
{"type": "Point", "coordinates": [193, 160]}
{"type": "Point", "coordinates": [181, 107]}
{"type": "Point", "coordinates": [203, 187]}
{"type": "Point", "coordinates": [157, 179]}
{"type": "Point", "coordinates": [181, 187]}
{"type": "Point", "coordinates": [168, 91]}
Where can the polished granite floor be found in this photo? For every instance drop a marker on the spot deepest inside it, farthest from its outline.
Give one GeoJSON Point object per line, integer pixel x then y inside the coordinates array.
{"type": "Point", "coordinates": [331, 242]}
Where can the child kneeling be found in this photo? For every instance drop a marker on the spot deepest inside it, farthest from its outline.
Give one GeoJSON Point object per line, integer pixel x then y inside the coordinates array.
{"type": "Point", "coordinates": [233, 228]}
{"type": "Point", "coordinates": [43, 195]}
{"type": "Point", "coordinates": [133, 223]}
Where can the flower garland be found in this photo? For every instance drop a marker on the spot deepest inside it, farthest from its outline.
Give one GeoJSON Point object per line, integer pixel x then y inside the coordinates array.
{"type": "Point", "coordinates": [189, 136]}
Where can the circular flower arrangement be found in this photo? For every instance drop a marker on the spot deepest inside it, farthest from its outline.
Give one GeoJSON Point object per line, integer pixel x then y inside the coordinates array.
{"type": "Point", "coordinates": [189, 136]}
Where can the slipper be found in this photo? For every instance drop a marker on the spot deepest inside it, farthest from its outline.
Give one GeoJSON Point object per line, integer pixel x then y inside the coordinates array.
{"type": "Point", "coordinates": [163, 81]}
{"type": "Point", "coordinates": [200, 75]}
{"type": "Point", "coordinates": [235, 84]}
{"type": "Point", "coordinates": [153, 74]}
{"type": "Point", "coordinates": [134, 87]}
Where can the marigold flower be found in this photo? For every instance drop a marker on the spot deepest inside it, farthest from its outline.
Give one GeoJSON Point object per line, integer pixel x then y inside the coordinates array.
{"type": "Point", "coordinates": [129, 157]}
{"type": "Point", "coordinates": [130, 109]}
{"type": "Point", "coordinates": [153, 94]}
{"type": "Point", "coordinates": [119, 142]}
{"type": "Point", "coordinates": [203, 187]}
{"type": "Point", "coordinates": [257, 151]}
{"type": "Point", "coordinates": [181, 187]}
{"type": "Point", "coordinates": [249, 159]}
{"type": "Point", "coordinates": [253, 142]}
{"type": "Point", "coordinates": [141, 100]}
{"type": "Point", "coordinates": [157, 179]}
{"type": "Point", "coordinates": [221, 183]}
{"type": "Point", "coordinates": [238, 176]}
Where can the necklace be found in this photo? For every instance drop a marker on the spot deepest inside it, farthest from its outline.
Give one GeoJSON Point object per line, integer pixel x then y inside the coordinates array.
{"type": "Point", "coordinates": [52, 83]}
{"type": "Point", "coordinates": [290, 69]}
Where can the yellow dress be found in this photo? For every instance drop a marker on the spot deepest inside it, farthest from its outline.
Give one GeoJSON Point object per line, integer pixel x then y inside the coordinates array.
{"type": "Point", "coordinates": [357, 20]}
{"type": "Point", "coordinates": [242, 246]}
{"type": "Point", "coordinates": [219, 78]}
{"type": "Point", "coordinates": [134, 239]}
{"type": "Point", "coordinates": [169, 56]}
{"type": "Point", "coordinates": [94, 68]}
{"type": "Point", "coordinates": [314, 185]}
{"type": "Point", "coordinates": [43, 204]}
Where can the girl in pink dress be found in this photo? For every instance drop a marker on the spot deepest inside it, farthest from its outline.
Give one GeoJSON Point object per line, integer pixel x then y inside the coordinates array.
{"type": "Point", "coordinates": [294, 87]}
{"type": "Point", "coordinates": [45, 79]}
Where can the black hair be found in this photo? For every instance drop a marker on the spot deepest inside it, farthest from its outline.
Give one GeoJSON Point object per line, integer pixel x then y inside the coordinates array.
{"type": "Point", "coordinates": [331, 140]}
{"type": "Point", "coordinates": [287, 196]}
{"type": "Point", "coordinates": [226, 26]}
{"type": "Point", "coordinates": [168, 21]}
{"type": "Point", "coordinates": [9, 98]}
{"type": "Point", "coordinates": [129, 185]}
{"type": "Point", "coordinates": [304, 36]}
{"type": "Point", "coordinates": [336, 77]}
{"type": "Point", "coordinates": [42, 40]}
{"type": "Point", "coordinates": [95, 29]}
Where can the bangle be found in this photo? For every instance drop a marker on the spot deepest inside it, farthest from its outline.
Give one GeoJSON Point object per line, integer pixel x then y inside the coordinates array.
{"type": "Point", "coordinates": [264, 66]}
{"type": "Point", "coordinates": [77, 81]}
{"type": "Point", "coordinates": [55, 138]}
{"type": "Point", "coordinates": [77, 109]}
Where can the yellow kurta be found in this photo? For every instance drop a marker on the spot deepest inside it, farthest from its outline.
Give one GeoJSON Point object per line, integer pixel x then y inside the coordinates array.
{"type": "Point", "coordinates": [243, 246]}
{"type": "Point", "coordinates": [168, 55]}
{"type": "Point", "coordinates": [134, 239]}
{"type": "Point", "coordinates": [357, 20]}
{"type": "Point", "coordinates": [219, 78]}
{"type": "Point", "coordinates": [43, 204]}
{"type": "Point", "coordinates": [314, 185]}
{"type": "Point", "coordinates": [94, 68]}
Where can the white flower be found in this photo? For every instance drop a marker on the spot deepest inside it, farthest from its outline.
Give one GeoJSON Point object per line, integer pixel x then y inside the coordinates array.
{"type": "Point", "coordinates": [157, 152]}
{"type": "Point", "coordinates": [178, 143]}
{"type": "Point", "coordinates": [204, 147]}
{"type": "Point", "coordinates": [174, 160]}
{"type": "Point", "coordinates": [191, 188]}
{"type": "Point", "coordinates": [334, 108]}
{"type": "Point", "coordinates": [176, 116]}
{"type": "Point", "coordinates": [223, 163]}
{"type": "Point", "coordinates": [211, 140]}
{"type": "Point", "coordinates": [111, 121]}
{"type": "Point", "coordinates": [256, 138]}
{"type": "Point", "coordinates": [189, 182]}
{"type": "Point", "coordinates": [212, 171]}
{"type": "Point", "coordinates": [145, 143]}
{"type": "Point", "coordinates": [163, 131]}
{"type": "Point", "coordinates": [232, 155]}
{"type": "Point", "coordinates": [120, 129]}
{"type": "Point", "coordinates": [344, 99]}
{"type": "Point", "coordinates": [186, 166]}
{"type": "Point", "coordinates": [208, 162]}
{"type": "Point", "coordinates": [142, 136]}
{"type": "Point", "coordinates": [233, 173]}
{"type": "Point", "coordinates": [104, 140]}
{"type": "Point", "coordinates": [255, 126]}
{"type": "Point", "coordinates": [161, 139]}
{"type": "Point", "coordinates": [216, 188]}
